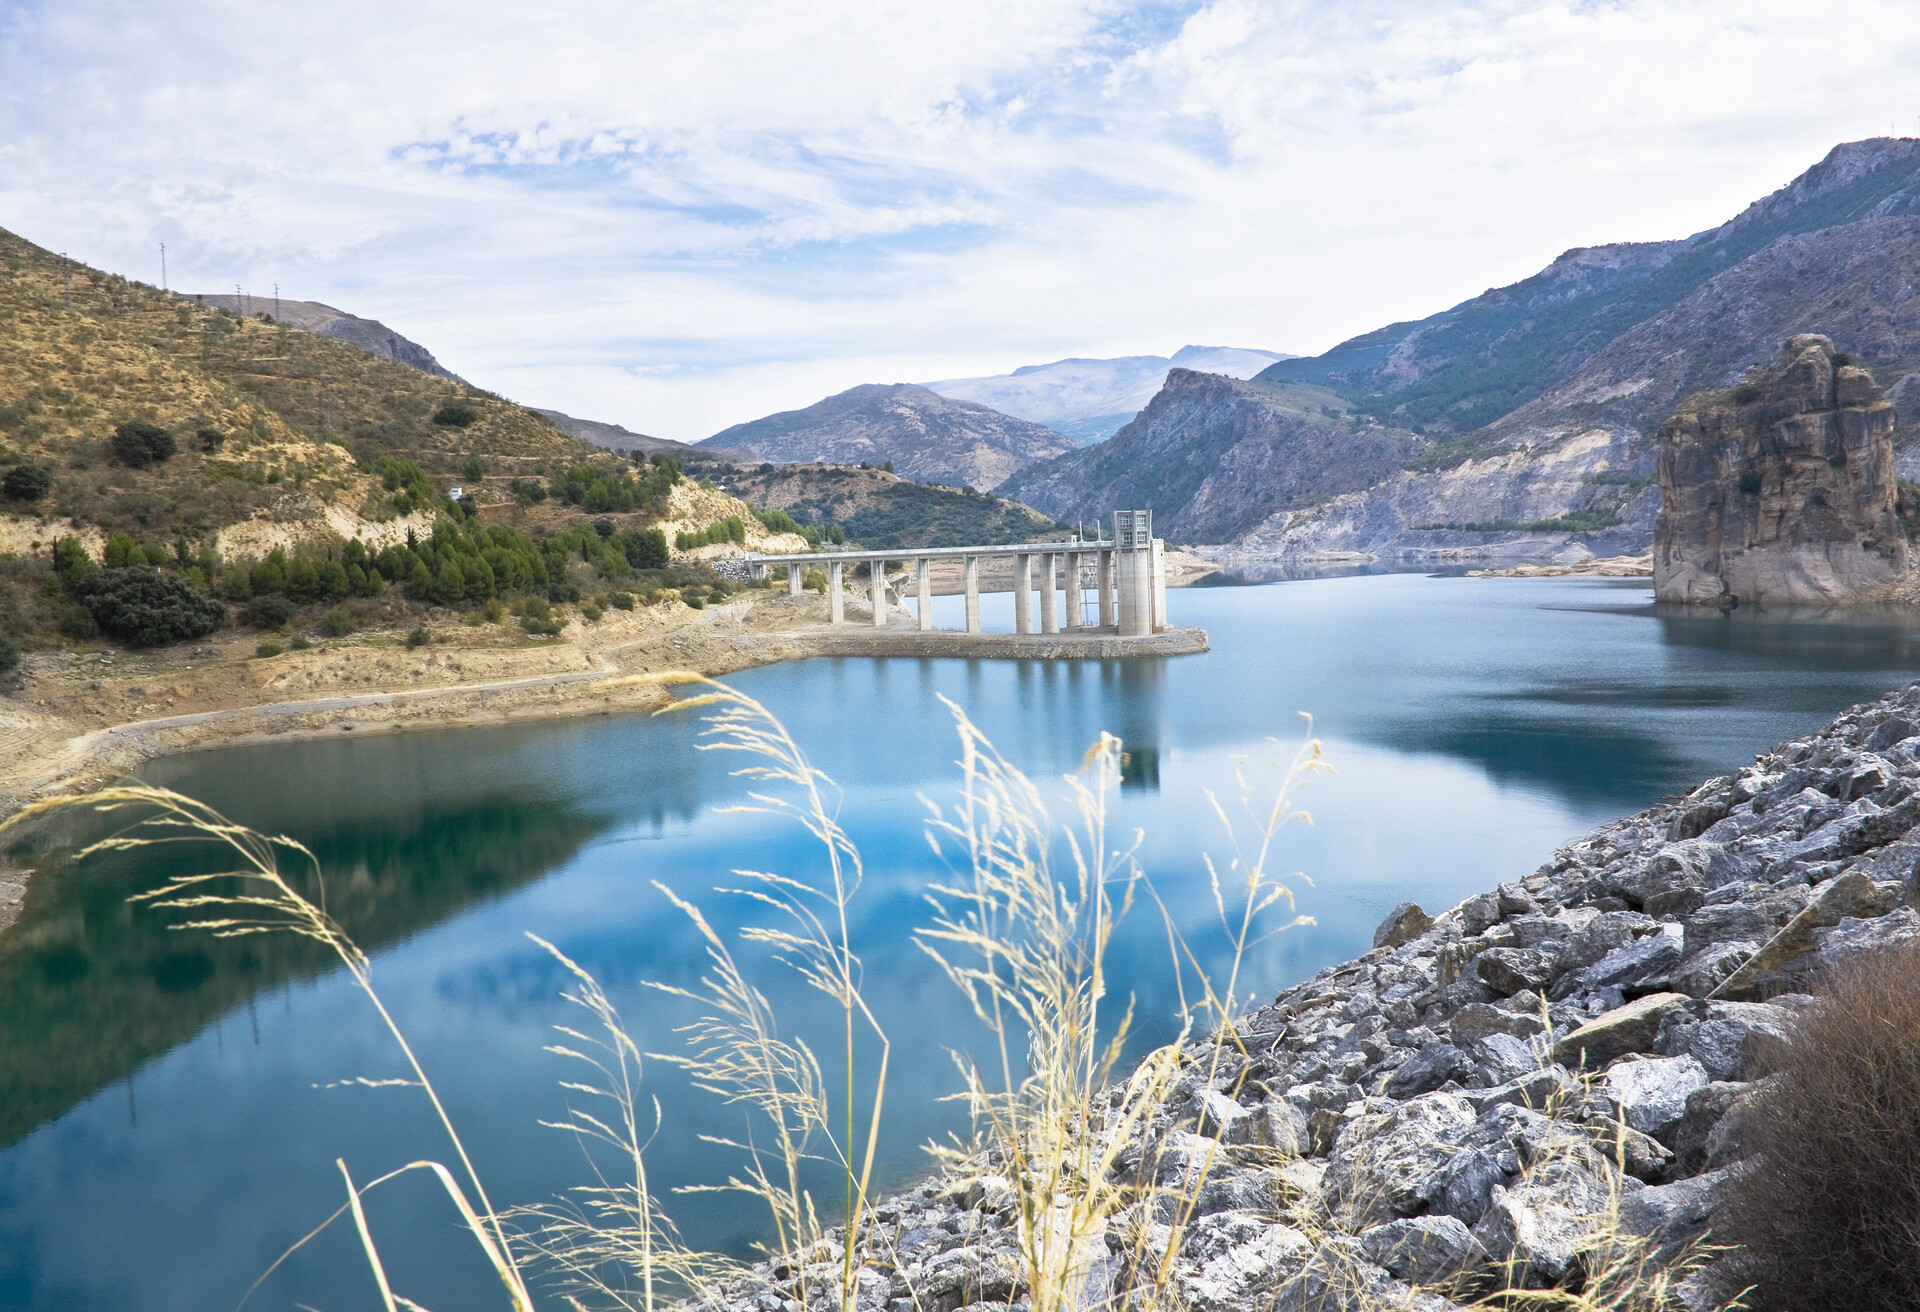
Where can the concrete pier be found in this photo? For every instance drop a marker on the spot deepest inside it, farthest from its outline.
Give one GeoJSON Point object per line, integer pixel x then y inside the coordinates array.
{"type": "Point", "coordinates": [1128, 576]}
{"type": "Point", "coordinates": [1023, 593]}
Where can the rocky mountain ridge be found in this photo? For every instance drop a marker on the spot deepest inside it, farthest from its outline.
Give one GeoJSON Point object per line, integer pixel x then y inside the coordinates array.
{"type": "Point", "coordinates": [1539, 404]}
{"type": "Point", "coordinates": [369, 335]}
{"type": "Point", "coordinates": [926, 436]}
{"type": "Point", "coordinates": [1574, 1057]}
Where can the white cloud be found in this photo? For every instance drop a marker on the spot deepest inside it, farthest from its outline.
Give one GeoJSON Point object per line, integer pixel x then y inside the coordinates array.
{"type": "Point", "coordinates": [679, 216]}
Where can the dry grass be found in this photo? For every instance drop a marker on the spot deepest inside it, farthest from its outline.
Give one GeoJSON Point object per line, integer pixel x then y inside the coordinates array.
{"type": "Point", "coordinates": [1022, 928]}
{"type": "Point", "coordinates": [1826, 1209]}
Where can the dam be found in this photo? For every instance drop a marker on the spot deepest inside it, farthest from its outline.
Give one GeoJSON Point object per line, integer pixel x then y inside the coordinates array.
{"type": "Point", "coordinates": [1076, 589]}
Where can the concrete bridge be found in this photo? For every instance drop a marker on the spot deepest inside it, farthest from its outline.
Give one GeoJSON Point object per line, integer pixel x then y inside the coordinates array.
{"type": "Point", "coordinates": [1126, 575]}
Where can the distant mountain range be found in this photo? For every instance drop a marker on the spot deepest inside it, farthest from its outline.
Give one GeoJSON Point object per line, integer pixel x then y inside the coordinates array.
{"type": "Point", "coordinates": [311, 316]}
{"type": "Point", "coordinates": [1521, 422]}
{"type": "Point", "coordinates": [1090, 400]}
{"type": "Point", "coordinates": [926, 436]}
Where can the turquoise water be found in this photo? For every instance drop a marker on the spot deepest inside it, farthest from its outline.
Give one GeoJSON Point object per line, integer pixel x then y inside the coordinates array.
{"type": "Point", "coordinates": [164, 1129]}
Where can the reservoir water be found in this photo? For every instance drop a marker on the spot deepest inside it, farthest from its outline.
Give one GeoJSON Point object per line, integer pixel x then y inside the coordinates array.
{"type": "Point", "coordinates": [171, 1107]}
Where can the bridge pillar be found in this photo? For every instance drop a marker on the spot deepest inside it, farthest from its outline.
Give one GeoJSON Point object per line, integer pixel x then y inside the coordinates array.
{"type": "Point", "coordinates": [1049, 594]}
{"type": "Point", "coordinates": [923, 581]}
{"type": "Point", "coordinates": [1023, 593]}
{"type": "Point", "coordinates": [973, 594]}
{"type": "Point", "coordinates": [793, 580]}
{"type": "Point", "coordinates": [836, 594]}
{"type": "Point", "coordinates": [1159, 585]}
{"type": "Point", "coordinates": [1072, 582]}
{"type": "Point", "coordinates": [877, 579]}
{"type": "Point", "coordinates": [1135, 571]}
{"type": "Point", "coordinates": [1107, 618]}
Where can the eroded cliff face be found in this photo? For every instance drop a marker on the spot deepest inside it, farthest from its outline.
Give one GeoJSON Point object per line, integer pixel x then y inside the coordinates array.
{"type": "Point", "coordinates": [1781, 489]}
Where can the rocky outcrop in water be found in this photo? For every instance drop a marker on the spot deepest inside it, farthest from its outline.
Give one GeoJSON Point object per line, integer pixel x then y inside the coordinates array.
{"type": "Point", "coordinates": [1781, 489]}
{"type": "Point", "coordinates": [1493, 1084]}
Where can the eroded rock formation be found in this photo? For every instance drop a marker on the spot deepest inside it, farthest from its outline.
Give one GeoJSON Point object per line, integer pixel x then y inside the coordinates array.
{"type": "Point", "coordinates": [1781, 489]}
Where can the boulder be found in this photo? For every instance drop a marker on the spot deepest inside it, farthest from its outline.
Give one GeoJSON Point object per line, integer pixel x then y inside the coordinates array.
{"type": "Point", "coordinates": [1794, 952]}
{"type": "Point", "coordinates": [1403, 924]}
{"type": "Point", "coordinates": [1429, 1068]}
{"type": "Point", "coordinates": [1706, 1106]}
{"type": "Point", "coordinates": [1388, 1163]}
{"type": "Point", "coordinates": [1422, 1250]}
{"type": "Point", "coordinates": [1631, 1028]}
{"type": "Point", "coordinates": [1652, 1094]}
{"type": "Point", "coordinates": [1671, 1215]}
{"type": "Point", "coordinates": [1543, 1224]}
{"type": "Point", "coordinates": [1643, 965]}
{"type": "Point", "coordinates": [1509, 970]}
{"type": "Point", "coordinates": [1477, 1020]}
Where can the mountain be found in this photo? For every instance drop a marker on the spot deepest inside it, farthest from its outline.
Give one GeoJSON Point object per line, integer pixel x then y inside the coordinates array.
{"type": "Point", "coordinates": [615, 438]}
{"type": "Point", "coordinates": [313, 317]}
{"type": "Point", "coordinates": [1528, 415]}
{"type": "Point", "coordinates": [881, 510]}
{"type": "Point", "coordinates": [927, 437]}
{"type": "Point", "coordinates": [1090, 400]}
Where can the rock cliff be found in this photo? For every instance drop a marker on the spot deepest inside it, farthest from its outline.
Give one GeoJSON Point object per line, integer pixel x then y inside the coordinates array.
{"type": "Point", "coordinates": [1782, 488]}
{"type": "Point", "coordinates": [1489, 1091]}
{"type": "Point", "coordinates": [1530, 413]}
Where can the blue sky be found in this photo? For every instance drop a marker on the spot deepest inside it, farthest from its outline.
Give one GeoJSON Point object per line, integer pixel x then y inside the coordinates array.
{"type": "Point", "coordinates": [678, 216]}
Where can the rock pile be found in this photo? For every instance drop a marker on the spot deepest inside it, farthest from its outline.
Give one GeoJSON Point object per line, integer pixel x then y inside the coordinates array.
{"type": "Point", "coordinates": [1492, 1089]}
{"type": "Point", "coordinates": [1781, 489]}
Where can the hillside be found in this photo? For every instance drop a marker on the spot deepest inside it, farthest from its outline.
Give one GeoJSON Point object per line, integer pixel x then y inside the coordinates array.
{"type": "Point", "coordinates": [311, 316]}
{"type": "Point", "coordinates": [1530, 413]}
{"type": "Point", "coordinates": [205, 452]}
{"type": "Point", "coordinates": [926, 436]}
{"type": "Point", "coordinates": [878, 509]}
{"type": "Point", "coordinates": [1090, 400]}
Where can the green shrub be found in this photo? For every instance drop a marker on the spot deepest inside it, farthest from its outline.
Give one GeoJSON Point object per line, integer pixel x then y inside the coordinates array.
{"type": "Point", "coordinates": [145, 608]}
{"type": "Point", "coordinates": [337, 623]}
{"type": "Point", "coordinates": [1748, 393]}
{"type": "Point", "coordinates": [9, 656]}
{"type": "Point", "coordinates": [76, 621]}
{"type": "Point", "coordinates": [299, 642]}
{"type": "Point", "coordinates": [543, 628]}
{"type": "Point", "coordinates": [210, 439]}
{"type": "Point", "coordinates": [270, 611]}
{"type": "Point", "coordinates": [456, 414]}
{"type": "Point", "coordinates": [26, 483]}
{"type": "Point", "coordinates": [418, 638]}
{"type": "Point", "coordinates": [591, 614]}
{"type": "Point", "coordinates": [267, 647]}
{"type": "Point", "coordinates": [621, 600]}
{"type": "Point", "coordinates": [474, 471]}
{"type": "Point", "coordinates": [137, 444]}
{"type": "Point", "coordinates": [695, 600]}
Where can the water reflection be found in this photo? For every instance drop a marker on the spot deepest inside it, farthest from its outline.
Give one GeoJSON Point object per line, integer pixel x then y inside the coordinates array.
{"type": "Point", "coordinates": [1474, 725]}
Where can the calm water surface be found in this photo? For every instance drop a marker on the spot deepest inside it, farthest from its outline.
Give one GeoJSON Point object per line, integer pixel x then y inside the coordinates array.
{"type": "Point", "coordinates": [165, 1127]}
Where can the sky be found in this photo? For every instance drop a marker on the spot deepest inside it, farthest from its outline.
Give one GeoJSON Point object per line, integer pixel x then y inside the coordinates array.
{"type": "Point", "coordinates": [679, 216]}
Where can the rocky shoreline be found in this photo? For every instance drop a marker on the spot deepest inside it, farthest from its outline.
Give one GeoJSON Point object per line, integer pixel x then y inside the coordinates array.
{"type": "Point", "coordinates": [1565, 1060]}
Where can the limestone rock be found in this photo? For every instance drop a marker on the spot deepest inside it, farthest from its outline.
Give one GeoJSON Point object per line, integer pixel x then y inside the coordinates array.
{"type": "Point", "coordinates": [1652, 1094]}
{"type": "Point", "coordinates": [1631, 1028]}
{"type": "Point", "coordinates": [1403, 924]}
{"type": "Point", "coordinates": [1421, 1249]}
{"type": "Point", "coordinates": [1781, 490]}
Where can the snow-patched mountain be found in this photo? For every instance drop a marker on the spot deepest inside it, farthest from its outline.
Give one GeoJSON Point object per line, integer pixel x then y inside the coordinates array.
{"type": "Point", "coordinates": [1090, 400]}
